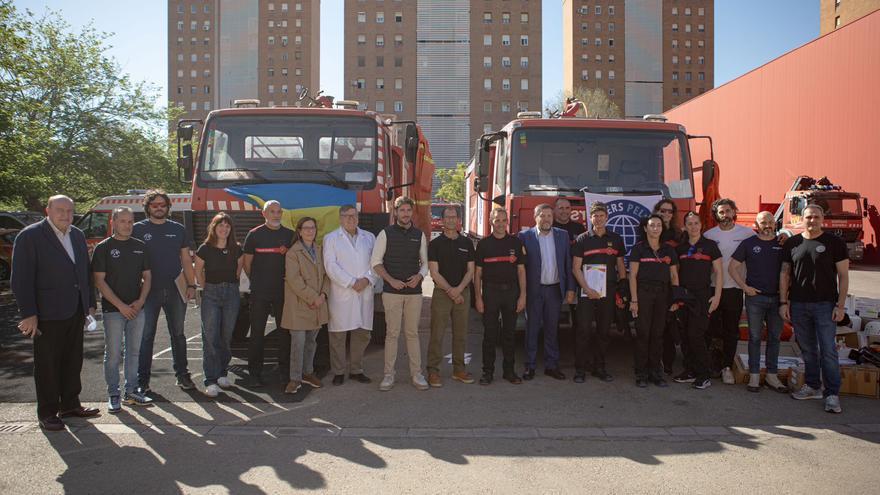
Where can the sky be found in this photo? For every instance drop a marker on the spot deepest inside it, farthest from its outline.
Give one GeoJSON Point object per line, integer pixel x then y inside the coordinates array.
{"type": "Point", "coordinates": [748, 34]}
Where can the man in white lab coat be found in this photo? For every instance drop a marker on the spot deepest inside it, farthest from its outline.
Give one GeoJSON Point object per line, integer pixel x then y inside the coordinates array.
{"type": "Point", "coordinates": [347, 253]}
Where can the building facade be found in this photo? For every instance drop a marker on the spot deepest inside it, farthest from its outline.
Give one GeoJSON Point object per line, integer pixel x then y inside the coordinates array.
{"type": "Point", "coordinates": [836, 13]}
{"type": "Point", "coordinates": [647, 56]}
{"type": "Point", "coordinates": [223, 50]}
{"type": "Point", "coordinates": [458, 67]}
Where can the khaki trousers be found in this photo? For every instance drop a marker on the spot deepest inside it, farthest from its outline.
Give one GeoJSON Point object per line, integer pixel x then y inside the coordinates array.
{"type": "Point", "coordinates": [358, 344]}
{"type": "Point", "coordinates": [442, 308]}
{"type": "Point", "coordinates": [407, 307]}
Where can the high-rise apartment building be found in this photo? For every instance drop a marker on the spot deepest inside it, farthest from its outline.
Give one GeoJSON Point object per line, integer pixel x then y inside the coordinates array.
{"type": "Point", "coordinates": [458, 67]}
{"type": "Point", "coordinates": [223, 50]}
{"type": "Point", "coordinates": [836, 13]}
{"type": "Point", "coordinates": [646, 55]}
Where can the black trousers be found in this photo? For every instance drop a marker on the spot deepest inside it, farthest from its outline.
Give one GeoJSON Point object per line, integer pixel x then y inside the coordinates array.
{"type": "Point", "coordinates": [695, 323]}
{"type": "Point", "coordinates": [58, 358]}
{"type": "Point", "coordinates": [499, 321]}
{"type": "Point", "coordinates": [591, 341]}
{"type": "Point", "coordinates": [653, 303]}
{"type": "Point", "coordinates": [261, 308]}
{"type": "Point", "coordinates": [673, 335]}
{"type": "Point", "coordinates": [725, 322]}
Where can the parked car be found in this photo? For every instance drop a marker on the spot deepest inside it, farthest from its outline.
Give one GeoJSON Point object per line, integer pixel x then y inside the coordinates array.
{"type": "Point", "coordinates": [19, 219]}
{"type": "Point", "coordinates": [7, 238]}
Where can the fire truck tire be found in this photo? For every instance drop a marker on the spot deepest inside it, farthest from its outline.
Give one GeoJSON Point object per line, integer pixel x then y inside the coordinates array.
{"type": "Point", "coordinates": [377, 336]}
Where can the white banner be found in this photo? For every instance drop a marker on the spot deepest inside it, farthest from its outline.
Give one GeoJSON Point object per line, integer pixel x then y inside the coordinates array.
{"type": "Point", "coordinates": [624, 214]}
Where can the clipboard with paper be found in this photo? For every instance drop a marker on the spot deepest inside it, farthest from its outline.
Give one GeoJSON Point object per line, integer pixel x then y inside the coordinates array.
{"type": "Point", "coordinates": [596, 278]}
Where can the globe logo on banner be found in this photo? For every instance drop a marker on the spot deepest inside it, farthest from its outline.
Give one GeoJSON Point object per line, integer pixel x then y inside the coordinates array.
{"type": "Point", "coordinates": [624, 215]}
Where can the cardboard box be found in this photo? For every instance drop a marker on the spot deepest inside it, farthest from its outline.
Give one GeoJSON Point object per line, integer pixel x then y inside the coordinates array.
{"type": "Point", "coordinates": [862, 380]}
{"type": "Point", "coordinates": [866, 307]}
{"type": "Point", "coordinates": [789, 357]}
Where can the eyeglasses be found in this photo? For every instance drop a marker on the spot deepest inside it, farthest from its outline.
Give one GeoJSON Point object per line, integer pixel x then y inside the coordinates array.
{"type": "Point", "coordinates": [666, 210]}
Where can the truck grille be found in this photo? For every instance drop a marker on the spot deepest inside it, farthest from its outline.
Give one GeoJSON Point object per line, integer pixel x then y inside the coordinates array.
{"type": "Point", "coordinates": [244, 221]}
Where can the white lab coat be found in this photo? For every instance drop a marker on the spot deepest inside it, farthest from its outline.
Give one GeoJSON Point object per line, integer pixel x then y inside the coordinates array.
{"type": "Point", "coordinates": [349, 310]}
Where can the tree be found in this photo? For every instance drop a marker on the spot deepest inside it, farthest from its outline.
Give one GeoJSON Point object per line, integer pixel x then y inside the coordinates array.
{"type": "Point", "coordinates": [599, 106]}
{"type": "Point", "coordinates": [70, 121]}
{"type": "Point", "coordinates": [451, 180]}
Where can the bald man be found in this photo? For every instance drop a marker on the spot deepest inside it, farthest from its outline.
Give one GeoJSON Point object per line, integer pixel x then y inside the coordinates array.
{"type": "Point", "coordinates": [51, 283]}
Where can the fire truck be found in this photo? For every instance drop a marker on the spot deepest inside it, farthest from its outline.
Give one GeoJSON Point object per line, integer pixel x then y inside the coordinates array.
{"type": "Point", "coordinates": [97, 226]}
{"type": "Point", "coordinates": [534, 160]}
{"type": "Point", "coordinates": [312, 159]}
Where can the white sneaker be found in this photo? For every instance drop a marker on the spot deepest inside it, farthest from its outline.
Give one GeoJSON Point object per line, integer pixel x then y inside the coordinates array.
{"type": "Point", "coordinates": [420, 383]}
{"type": "Point", "coordinates": [807, 392]}
{"type": "Point", "coordinates": [832, 404]}
{"type": "Point", "coordinates": [212, 390]}
{"type": "Point", "coordinates": [773, 382]}
{"type": "Point", "coordinates": [727, 376]}
{"type": "Point", "coordinates": [387, 383]}
{"type": "Point", "coordinates": [223, 382]}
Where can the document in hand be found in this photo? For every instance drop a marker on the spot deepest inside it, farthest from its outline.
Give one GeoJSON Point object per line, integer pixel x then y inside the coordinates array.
{"type": "Point", "coordinates": [595, 276]}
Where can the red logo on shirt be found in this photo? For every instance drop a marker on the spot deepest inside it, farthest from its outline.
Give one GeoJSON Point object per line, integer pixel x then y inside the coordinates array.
{"type": "Point", "coordinates": [501, 259]}
{"type": "Point", "coordinates": [611, 251]}
{"type": "Point", "coordinates": [275, 250]}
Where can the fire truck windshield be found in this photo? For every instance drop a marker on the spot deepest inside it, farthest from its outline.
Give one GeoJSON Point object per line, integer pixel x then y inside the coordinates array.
{"type": "Point", "coordinates": [341, 151]}
{"type": "Point", "coordinates": [603, 161]}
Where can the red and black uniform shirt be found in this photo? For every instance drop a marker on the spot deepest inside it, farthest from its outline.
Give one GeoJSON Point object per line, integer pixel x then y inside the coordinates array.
{"type": "Point", "coordinates": [601, 250]}
{"type": "Point", "coordinates": [695, 272]}
{"type": "Point", "coordinates": [653, 265]}
{"type": "Point", "coordinates": [498, 259]}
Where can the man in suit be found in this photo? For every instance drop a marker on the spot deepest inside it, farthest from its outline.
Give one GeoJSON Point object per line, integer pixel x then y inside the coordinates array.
{"type": "Point", "coordinates": [50, 280]}
{"type": "Point", "coordinates": [549, 281]}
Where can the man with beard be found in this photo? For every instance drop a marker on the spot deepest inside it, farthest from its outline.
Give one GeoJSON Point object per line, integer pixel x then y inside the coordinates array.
{"type": "Point", "coordinates": [725, 320]}
{"type": "Point", "coordinates": [762, 256]}
{"type": "Point", "coordinates": [168, 253]}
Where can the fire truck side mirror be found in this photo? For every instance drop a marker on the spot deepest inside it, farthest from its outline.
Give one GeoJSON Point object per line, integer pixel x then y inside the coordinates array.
{"type": "Point", "coordinates": [481, 179]}
{"type": "Point", "coordinates": [185, 133]}
{"type": "Point", "coordinates": [185, 162]}
{"type": "Point", "coordinates": [412, 143]}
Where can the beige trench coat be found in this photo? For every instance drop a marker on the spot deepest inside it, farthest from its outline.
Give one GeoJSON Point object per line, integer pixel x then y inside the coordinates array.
{"type": "Point", "coordinates": [304, 281]}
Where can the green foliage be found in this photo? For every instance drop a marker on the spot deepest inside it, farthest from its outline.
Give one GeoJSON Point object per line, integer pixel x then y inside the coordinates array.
{"type": "Point", "coordinates": [451, 180]}
{"type": "Point", "coordinates": [70, 121]}
{"type": "Point", "coordinates": [599, 106]}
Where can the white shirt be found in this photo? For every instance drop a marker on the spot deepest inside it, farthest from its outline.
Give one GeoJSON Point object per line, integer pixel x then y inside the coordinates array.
{"type": "Point", "coordinates": [64, 239]}
{"type": "Point", "coordinates": [549, 270]}
{"type": "Point", "coordinates": [728, 241]}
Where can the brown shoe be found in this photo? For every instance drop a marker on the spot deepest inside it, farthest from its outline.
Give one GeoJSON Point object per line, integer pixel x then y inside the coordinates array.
{"type": "Point", "coordinates": [292, 387]}
{"type": "Point", "coordinates": [312, 380]}
{"type": "Point", "coordinates": [463, 377]}
{"type": "Point", "coordinates": [434, 380]}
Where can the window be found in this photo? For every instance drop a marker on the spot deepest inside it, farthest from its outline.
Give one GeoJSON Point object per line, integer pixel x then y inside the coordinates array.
{"type": "Point", "coordinates": [398, 17]}
{"type": "Point", "coordinates": [360, 83]}
{"type": "Point", "coordinates": [701, 11]}
{"type": "Point", "coordinates": [193, 25]}
{"type": "Point", "coordinates": [687, 91]}
{"type": "Point", "coordinates": [271, 7]}
{"type": "Point", "coordinates": [180, 90]}
{"type": "Point", "coordinates": [524, 18]}
{"type": "Point", "coordinates": [687, 43]}
{"type": "Point", "coordinates": [179, 41]}
{"type": "Point", "coordinates": [610, 41]}
{"type": "Point", "coordinates": [700, 43]}
{"type": "Point", "coordinates": [701, 28]}
{"type": "Point", "coordinates": [298, 39]}
{"type": "Point", "coordinates": [505, 40]}
{"type": "Point", "coordinates": [180, 57]}
{"type": "Point", "coordinates": [193, 73]}
{"type": "Point", "coordinates": [674, 10]}
{"type": "Point", "coordinates": [598, 10]}
{"type": "Point", "coordinates": [194, 106]}
{"type": "Point", "coordinates": [598, 27]}
{"type": "Point", "coordinates": [585, 42]}
{"type": "Point", "coordinates": [585, 58]}
{"type": "Point", "coordinates": [487, 62]}
{"type": "Point", "coordinates": [611, 10]}
{"type": "Point", "coordinates": [610, 27]}
{"type": "Point", "coordinates": [398, 39]}
{"type": "Point", "coordinates": [487, 18]}
{"type": "Point", "coordinates": [284, 71]}
{"type": "Point", "coordinates": [398, 106]}
{"type": "Point", "coordinates": [398, 61]}
{"type": "Point", "coordinates": [701, 60]}
{"type": "Point", "coordinates": [687, 60]}
{"type": "Point", "coordinates": [398, 83]}
{"type": "Point", "coordinates": [674, 27]}
{"type": "Point", "coordinates": [611, 59]}
{"type": "Point", "coordinates": [674, 43]}
{"type": "Point", "coordinates": [380, 17]}
{"type": "Point", "coordinates": [298, 71]}
{"type": "Point", "coordinates": [284, 41]}
{"type": "Point", "coordinates": [192, 41]}
{"type": "Point", "coordinates": [271, 23]}
{"type": "Point", "coordinates": [380, 106]}
{"type": "Point", "coordinates": [207, 57]}
{"type": "Point", "coordinates": [271, 88]}
{"type": "Point", "coordinates": [505, 84]}
{"type": "Point", "coordinates": [675, 60]}
{"type": "Point", "coordinates": [487, 83]}
{"type": "Point", "coordinates": [688, 76]}
{"type": "Point", "coordinates": [524, 40]}
{"type": "Point", "coordinates": [487, 106]}
{"type": "Point", "coordinates": [361, 17]}
{"type": "Point", "coordinates": [298, 22]}
{"type": "Point", "coordinates": [193, 9]}
{"type": "Point", "coordinates": [687, 28]}
{"type": "Point", "coordinates": [206, 73]}
{"type": "Point", "coordinates": [524, 84]}
{"type": "Point", "coordinates": [674, 75]}
{"type": "Point", "coordinates": [487, 40]}
{"type": "Point", "coordinates": [361, 61]}
{"type": "Point", "coordinates": [284, 7]}
{"type": "Point", "coordinates": [299, 7]}
{"type": "Point", "coordinates": [505, 18]}
{"type": "Point", "coordinates": [180, 27]}
{"type": "Point", "coordinates": [380, 83]}
{"type": "Point", "coordinates": [674, 91]}
{"type": "Point", "coordinates": [180, 9]}
{"type": "Point", "coordinates": [271, 40]}
{"type": "Point", "coordinates": [610, 74]}
{"type": "Point", "coordinates": [505, 106]}
{"type": "Point", "coordinates": [487, 128]}
{"type": "Point", "coordinates": [597, 41]}
{"type": "Point", "coordinates": [598, 58]}
{"type": "Point", "coordinates": [380, 40]}
{"type": "Point", "coordinates": [610, 91]}
{"type": "Point", "coordinates": [585, 75]}
{"type": "Point", "coordinates": [687, 11]}
{"type": "Point", "coordinates": [362, 39]}
{"type": "Point", "coordinates": [585, 26]}
{"type": "Point", "coordinates": [505, 61]}
{"type": "Point", "coordinates": [522, 106]}
{"type": "Point", "coordinates": [206, 25]}
{"type": "Point", "coordinates": [206, 41]}
{"type": "Point", "coordinates": [524, 62]}
{"type": "Point", "coordinates": [701, 76]}
{"type": "Point", "coordinates": [598, 74]}
{"type": "Point", "coordinates": [179, 72]}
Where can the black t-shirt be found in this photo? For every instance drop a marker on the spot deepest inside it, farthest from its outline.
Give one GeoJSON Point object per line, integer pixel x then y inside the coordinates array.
{"type": "Point", "coordinates": [123, 262]}
{"type": "Point", "coordinates": [813, 266]}
{"type": "Point", "coordinates": [763, 260]}
{"type": "Point", "coordinates": [573, 228]}
{"type": "Point", "coordinates": [670, 236]}
{"type": "Point", "coordinates": [498, 258]}
{"type": "Point", "coordinates": [653, 265]}
{"type": "Point", "coordinates": [604, 250]}
{"type": "Point", "coordinates": [695, 270]}
{"type": "Point", "coordinates": [164, 243]}
{"type": "Point", "coordinates": [221, 265]}
{"type": "Point", "coordinates": [452, 256]}
{"type": "Point", "coordinates": [268, 247]}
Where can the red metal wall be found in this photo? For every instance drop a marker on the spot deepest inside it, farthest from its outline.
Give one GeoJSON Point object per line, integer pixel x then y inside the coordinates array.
{"type": "Point", "coordinates": [813, 111]}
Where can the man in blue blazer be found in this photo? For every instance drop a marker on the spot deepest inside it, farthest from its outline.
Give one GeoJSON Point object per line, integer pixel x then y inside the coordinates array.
{"type": "Point", "coordinates": [51, 283]}
{"type": "Point", "coordinates": [549, 282]}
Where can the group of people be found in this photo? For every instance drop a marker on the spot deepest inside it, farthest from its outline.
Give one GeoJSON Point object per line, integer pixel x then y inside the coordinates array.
{"type": "Point", "coordinates": [690, 280]}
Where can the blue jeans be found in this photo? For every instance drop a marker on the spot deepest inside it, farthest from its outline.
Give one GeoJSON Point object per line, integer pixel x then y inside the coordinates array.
{"type": "Point", "coordinates": [302, 353]}
{"type": "Point", "coordinates": [542, 311]}
{"type": "Point", "coordinates": [815, 331]}
{"type": "Point", "coordinates": [219, 312]}
{"type": "Point", "coordinates": [170, 301]}
{"type": "Point", "coordinates": [122, 338]}
{"type": "Point", "coordinates": [760, 309]}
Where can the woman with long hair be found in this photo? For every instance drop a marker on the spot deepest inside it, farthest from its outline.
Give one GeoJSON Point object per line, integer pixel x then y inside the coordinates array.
{"type": "Point", "coordinates": [306, 285]}
{"type": "Point", "coordinates": [668, 211]}
{"type": "Point", "coordinates": [218, 267]}
{"type": "Point", "coordinates": [653, 268]}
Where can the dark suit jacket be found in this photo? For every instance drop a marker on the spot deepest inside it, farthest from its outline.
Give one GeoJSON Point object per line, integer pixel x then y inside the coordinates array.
{"type": "Point", "coordinates": [533, 260]}
{"type": "Point", "coordinates": [44, 280]}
